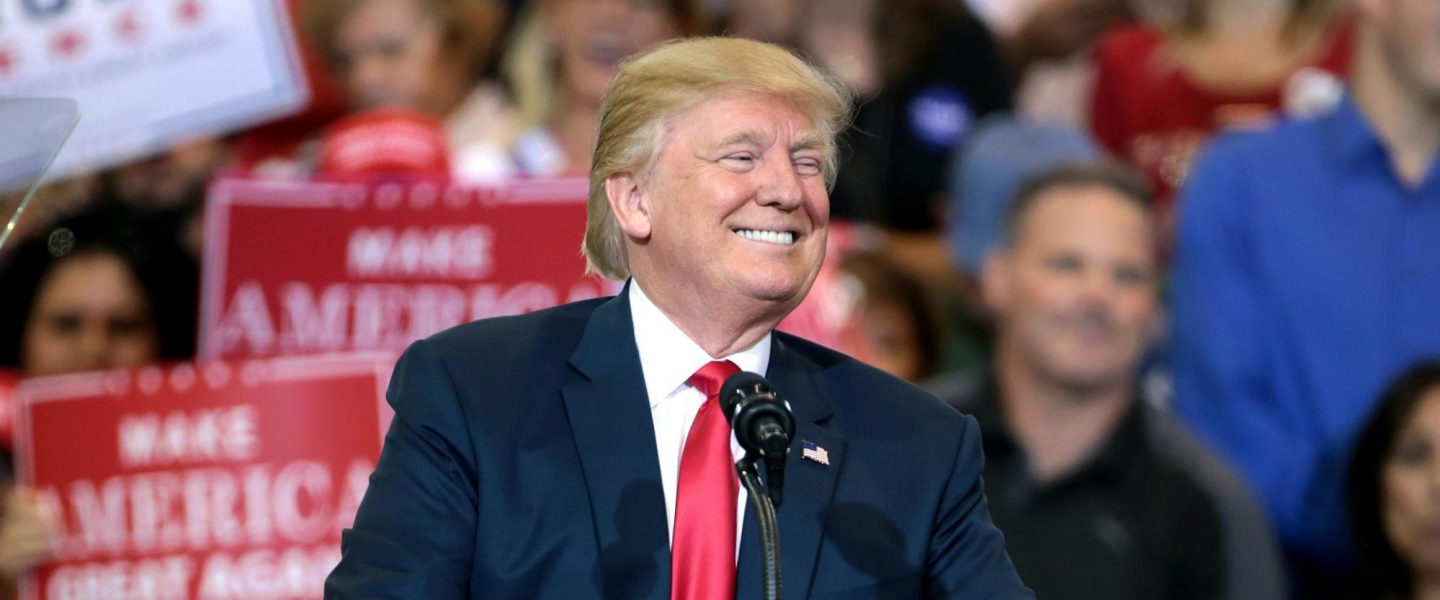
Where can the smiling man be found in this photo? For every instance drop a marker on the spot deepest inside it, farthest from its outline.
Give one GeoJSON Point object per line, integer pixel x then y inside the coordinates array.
{"type": "Point", "coordinates": [576, 452]}
{"type": "Point", "coordinates": [1099, 496]}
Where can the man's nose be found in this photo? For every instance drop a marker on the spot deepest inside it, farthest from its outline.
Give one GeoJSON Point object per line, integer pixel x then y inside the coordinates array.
{"type": "Point", "coordinates": [780, 185]}
{"type": "Point", "coordinates": [1097, 289]}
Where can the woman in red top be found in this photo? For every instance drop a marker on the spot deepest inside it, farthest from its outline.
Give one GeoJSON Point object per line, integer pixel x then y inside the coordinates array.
{"type": "Point", "coordinates": [1161, 90]}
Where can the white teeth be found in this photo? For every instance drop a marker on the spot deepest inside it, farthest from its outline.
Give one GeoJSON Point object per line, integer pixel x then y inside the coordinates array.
{"type": "Point", "coordinates": [784, 238]}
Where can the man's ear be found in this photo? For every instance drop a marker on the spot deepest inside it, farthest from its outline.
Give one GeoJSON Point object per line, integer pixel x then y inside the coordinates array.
{"type": "Point", "coordinates": [995, 280]}
{"type": "Point", "coordinates": [629, 205]}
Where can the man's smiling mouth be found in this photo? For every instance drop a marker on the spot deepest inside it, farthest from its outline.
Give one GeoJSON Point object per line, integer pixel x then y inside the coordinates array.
{"type": "Point", "coordinates": [783, 238]}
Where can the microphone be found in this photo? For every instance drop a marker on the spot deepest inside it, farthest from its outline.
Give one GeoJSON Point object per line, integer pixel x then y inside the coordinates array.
{"type": "Point", "coordinates": [762, 423]}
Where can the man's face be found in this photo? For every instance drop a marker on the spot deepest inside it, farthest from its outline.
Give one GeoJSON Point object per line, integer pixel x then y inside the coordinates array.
{"type": "Point", "coordinates": [1074, 291]}
{"type": "Point", "coordinates": [736, 204]}
{"type": "Point", "coordinates": [1409, 31]}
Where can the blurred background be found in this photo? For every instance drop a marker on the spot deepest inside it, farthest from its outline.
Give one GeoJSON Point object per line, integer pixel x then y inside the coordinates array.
{"type": "Point", "coordinates": [1170, 253]}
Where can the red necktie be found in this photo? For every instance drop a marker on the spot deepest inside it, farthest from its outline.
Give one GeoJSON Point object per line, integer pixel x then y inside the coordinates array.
{"type": "Point", "coordinates": [702, 555]}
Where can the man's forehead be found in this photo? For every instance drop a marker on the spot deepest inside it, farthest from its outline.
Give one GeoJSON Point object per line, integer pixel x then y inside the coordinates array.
{"type": "Point", "coordinates": [1058, 218]}
{"type": "Point", "coordinates": [1067, 205]}
{"type": "Point", "coordinates": [749, 117]}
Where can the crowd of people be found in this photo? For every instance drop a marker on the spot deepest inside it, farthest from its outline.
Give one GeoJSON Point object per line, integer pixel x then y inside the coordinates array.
{"type": "Point", "coordinates": [1178, 258]}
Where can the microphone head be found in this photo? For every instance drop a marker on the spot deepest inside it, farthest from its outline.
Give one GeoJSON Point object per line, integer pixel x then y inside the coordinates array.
{"type": "Point", "coordinates": [738, 387]}
{"type": "Point", "coordinates": [762, 423]}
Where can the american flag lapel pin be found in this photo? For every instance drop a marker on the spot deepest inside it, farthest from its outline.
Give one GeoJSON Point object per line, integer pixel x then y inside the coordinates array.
{"type": "Point", "coordinates": [810, 451]}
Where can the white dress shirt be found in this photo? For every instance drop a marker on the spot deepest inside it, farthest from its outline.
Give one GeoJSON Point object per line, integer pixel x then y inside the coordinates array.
{"type": "Point", "coordinates": [668, 358]}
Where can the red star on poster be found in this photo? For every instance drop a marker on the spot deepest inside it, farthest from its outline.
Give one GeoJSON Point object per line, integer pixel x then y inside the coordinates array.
{"type": "Point", "coordinates": [7, 61]}
{"type": "Point", "coordinates": [127, 25]}
{"type": "Point", "coordinates": [67, 43]}
{"type": "Point", "coordinates": [189, 11]}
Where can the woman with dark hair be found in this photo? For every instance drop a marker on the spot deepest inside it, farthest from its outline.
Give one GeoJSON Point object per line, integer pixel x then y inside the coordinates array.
{"type": "Point", "coordinates": [1393, 488]}
{"type": "Point", "coordinates": [107, 289]}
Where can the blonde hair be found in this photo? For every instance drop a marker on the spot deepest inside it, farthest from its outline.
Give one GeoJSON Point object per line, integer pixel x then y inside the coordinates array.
{"type": "Point", "coordinates": [651, 89]}
{"type": "Point", "coordinates": [529, 65]}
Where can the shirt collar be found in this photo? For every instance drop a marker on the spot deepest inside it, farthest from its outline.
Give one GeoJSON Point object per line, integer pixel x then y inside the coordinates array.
{"type": "Point", "coordinates": [668, 357]}
{"type": "Point", "coordinates": [1110, 461]}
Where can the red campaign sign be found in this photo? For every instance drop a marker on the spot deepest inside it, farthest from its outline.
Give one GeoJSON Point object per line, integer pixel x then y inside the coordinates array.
{"type": "Point", "coordinates": [293, 268]}
{"type": "Point", "coordinates": [215, 480]}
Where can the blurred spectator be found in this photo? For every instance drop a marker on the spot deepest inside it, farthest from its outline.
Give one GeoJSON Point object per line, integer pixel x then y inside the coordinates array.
{"type": "Point", "coordinates": [174, 179]}
{"type": "Point", "coordinates": [924, 71]}
{"type": "Point", "coordinates": [173, 183]}
{"type": "Point", "coordinates": [893, 325]}
{"type": "Point", "coordinates": [774, 21]}
{"type": "Point", "coordinates": [1161, 90]}
{"type": "Point", "coordinates": [105, 289]}
{"type": "Point", "coordinates": [282, 148]}
{"type": "Point", "coordinates": [1049, 43]}
{"type": "Point", "coordinates": [1306, 277]}
{"type": "Point", "coordinates": [561, 59]}
{"type": "Point", "coordinates": [1099, 495]}
{"type": "Point", "coordinates": [426, 56]}
{"type": "Point", "coordinates": [1393, 487]}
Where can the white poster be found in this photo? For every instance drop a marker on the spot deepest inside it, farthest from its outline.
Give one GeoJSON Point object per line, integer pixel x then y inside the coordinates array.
{"type": "Point", "coordinates": [149, 73]}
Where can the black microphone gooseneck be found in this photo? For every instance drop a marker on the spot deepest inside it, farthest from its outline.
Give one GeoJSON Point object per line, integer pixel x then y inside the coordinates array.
{"type": "Point", "coordinates": [764, 426]}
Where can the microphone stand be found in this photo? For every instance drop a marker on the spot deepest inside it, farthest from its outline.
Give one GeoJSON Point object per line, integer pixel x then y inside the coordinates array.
{"type": "Point", "coordinates": [769, 527]}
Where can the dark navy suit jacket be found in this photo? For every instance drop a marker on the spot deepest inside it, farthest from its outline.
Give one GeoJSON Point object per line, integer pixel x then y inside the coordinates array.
{"type": "Point", "coordinates": [522, 464]}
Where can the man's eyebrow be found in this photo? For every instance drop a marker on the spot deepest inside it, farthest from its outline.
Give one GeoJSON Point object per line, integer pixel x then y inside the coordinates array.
{"type": "Point", "coordinates": [806, 141]}
{"type": "Point", "coordinates": [747, 136]}
{"type": "Point", "coordinates": [809, 140]}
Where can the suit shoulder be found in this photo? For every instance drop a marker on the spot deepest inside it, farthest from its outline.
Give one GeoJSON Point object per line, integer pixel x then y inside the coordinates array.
{"type": "Point", "coordinates": [863, 393]}
{"type": "Point", "coordinates": [516, 338]}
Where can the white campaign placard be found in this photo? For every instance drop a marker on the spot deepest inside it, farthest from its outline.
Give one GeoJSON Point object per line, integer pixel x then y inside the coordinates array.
{"type": "Point", "coordinates": [150, 73]}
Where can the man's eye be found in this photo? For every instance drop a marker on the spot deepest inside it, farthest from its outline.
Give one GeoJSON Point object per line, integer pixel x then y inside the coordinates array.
{"type": "Point", "coordinates": [1063, 263]}
{"type": "Point", "coordinates": [1130, 276]}
{"type": "Point", "coordinates": [740, 160]}
{"type": "Point", "coordinates": [807, 166]}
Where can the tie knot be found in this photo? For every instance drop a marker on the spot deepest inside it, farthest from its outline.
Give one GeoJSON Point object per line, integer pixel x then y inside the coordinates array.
{"type": "Point", "coordinates": [711, 376]}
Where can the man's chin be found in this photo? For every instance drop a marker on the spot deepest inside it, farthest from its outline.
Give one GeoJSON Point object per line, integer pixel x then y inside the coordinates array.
{"type": "Point", "coordinates": [782, 295]}
{"type": "Point", "coordinates": [776, 294]}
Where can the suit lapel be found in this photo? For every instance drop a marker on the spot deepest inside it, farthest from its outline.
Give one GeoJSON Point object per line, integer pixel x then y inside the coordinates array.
{"type": "Point", "coordinates": [614, 435]}
{"type": "Point", "coordinates": [809, 485]}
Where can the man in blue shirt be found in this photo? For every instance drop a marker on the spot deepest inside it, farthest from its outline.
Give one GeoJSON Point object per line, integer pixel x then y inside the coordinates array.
{"type": "Point", "coordinates": [1308, 273]}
